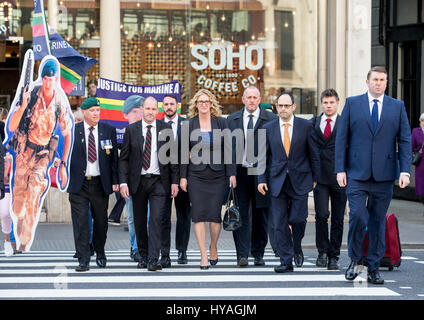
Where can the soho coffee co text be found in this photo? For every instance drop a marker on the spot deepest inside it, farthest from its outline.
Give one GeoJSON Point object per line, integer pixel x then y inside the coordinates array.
{"type": "Point", "coordinates": [225, 61]}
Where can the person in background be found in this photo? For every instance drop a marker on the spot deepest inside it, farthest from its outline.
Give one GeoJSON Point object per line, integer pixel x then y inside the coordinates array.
{"type": "Point", "coordinates": [417, 141]}
{"type": "Point", "coordinates": [6, 220]}
{"type": "Point", "coordinates": [252, 236]}
{"type": "Point", "coordinates": [92, 89]}
{"type": "Point", "coordinates": [133, 112]}
{"type": "Point", "coordinates": [206, 183]}
{"type": "Point", "coordinates": [3, 117]}
{"type": "Point", "coordinates": [182, 203]}
{"type": "Point", "coordinates": [324, 136]}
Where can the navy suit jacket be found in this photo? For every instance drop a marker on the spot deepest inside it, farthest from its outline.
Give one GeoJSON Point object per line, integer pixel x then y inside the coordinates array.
{"type": "Point", "coordinates": [361, 153]}
{"type": "Point", "coordinates": [235, 121]}
{"type": "Point", "coordinates": [108, 163]}
{"type": "Point", "coordinates": [302, 164]}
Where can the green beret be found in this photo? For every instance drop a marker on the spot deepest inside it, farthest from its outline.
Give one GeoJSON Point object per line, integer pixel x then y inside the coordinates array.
{"type": "Point", "coordinates": [132, 102]}
{"type": "Point", "coordinates": [265, 106]}
{"type": "Point", "coordinates": [90, 102]}
{"type": "Point", "coordinates": [49, 69]}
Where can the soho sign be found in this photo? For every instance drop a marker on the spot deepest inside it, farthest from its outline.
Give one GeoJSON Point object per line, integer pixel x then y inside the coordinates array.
{"type": "Point", "coordinates": [225, 61]}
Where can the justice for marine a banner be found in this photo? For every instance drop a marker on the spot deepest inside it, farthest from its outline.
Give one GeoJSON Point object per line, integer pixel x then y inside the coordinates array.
{"type": "Point", "coordinates": [112, 95]}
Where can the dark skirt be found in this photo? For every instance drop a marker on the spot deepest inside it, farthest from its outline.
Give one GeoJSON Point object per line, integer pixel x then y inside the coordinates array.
{"type": "Point", "coordinates": [206, 190]}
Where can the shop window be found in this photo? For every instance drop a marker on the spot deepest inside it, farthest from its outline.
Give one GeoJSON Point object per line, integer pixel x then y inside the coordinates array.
{"type": "Point", "coordinates": [284, 37]}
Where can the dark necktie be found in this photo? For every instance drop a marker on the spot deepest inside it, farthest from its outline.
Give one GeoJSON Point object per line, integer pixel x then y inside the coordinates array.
{"type": "Point", "coordinates": [327, 130]}
{"type": "Point", "coordinates": [374, 115]}
{"type": "Point", "coordinates": [92, 155]}
{"type": "Point", "coordinates": [147, 149]}
{"type": "Point", "coordinates": [249, 140]}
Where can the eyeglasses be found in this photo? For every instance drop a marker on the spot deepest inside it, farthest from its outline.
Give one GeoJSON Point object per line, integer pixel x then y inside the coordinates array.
{"type": "Point", "coordinates": [284, 106]}
{"type": "Point", "coordinates": [204, 102]}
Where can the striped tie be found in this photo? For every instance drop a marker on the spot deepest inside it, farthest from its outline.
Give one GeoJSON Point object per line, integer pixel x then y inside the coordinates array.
{"type": "Point", "coordinates": [92, 155]}
{"type": "Point", "coordinates": [327, 130]}
{"type": "Point", "coordinates": [147, 149]}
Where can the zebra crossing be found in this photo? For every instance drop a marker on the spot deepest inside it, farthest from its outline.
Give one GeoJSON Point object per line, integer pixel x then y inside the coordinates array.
{"type": "Point", "coordinates": [51, 275]}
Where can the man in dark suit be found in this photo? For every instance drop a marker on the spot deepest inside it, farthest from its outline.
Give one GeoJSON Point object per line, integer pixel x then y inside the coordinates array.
{"type": "Point", "coordinates": [182, 203]}
{"type": "Point", "coordinates": [324, 136]}
{"type": "Point", "coordinates": [144, 174]}
{"type": "Point", "coordinates": [252, 236]}
{"type": "Point", "coordinates": [93, 177]}
{"type": "Point", "coordinates": [291, 173]}
{"type": "Point", "coordinates": [373, 134]}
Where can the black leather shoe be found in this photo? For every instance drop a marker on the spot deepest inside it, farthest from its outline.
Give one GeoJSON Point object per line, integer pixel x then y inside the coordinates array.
{"type": "Point", "coordinates": [242, 262]}
{"type": "Point", "coordinates": [321, 260]}
{"type": "Point", "coordinates": [154, 265]}
{"type": "Point", "coordinates": [142, 264]}
{"type": "Point", "coordinates": [82, 267]}
{"type": "Point", "coordinates": [76, 256]}
{"type": "Point", "coordinates": [204, 267]}
{"type": "Point", "coordinates": [131, 254]}
{"type": "Point", "coordinates": [91, 250]}
{"type": "Point", "coordinates": [333, 263]}
{"type": "Point", "coordinates": [259, 261]}
{"type": "Point", "coordinates": [182, 257]}
{"type": "Point", "coordinates": [101, 262]}
{"type": "Point", "coordinates": [165, 262]}
{"type": "Point", "coordinates": [282, 268]}
{"type": "Point", "coordinates": [374, 277]}
{"type": "Point", "coordinates": [298, 259]}
{"type": "Point", "coordinates": [352, 271]}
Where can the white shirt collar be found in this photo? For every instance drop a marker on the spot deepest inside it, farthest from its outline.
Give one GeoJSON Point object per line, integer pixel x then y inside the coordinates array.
{"type": "Point", "coordinates": [290, 122]}
{"type": "Point", "coordinates": [87, 126]}
{"type": "Point", "coordinates": [255, 114]}
{"type": "Point", "coordinates": [371, 98]}
{"type": "Point", "coordinates": [144, 123]}
{"type": "Point", "coordinates": [175, 120]}
{"type": "Point", "coordinates": [324, 117]}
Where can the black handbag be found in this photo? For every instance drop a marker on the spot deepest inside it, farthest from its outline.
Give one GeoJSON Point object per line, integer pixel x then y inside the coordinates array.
{"type": "Point", "coordinates": [416, 156]}
{"type": "Point", "coordinates": [232, 218]}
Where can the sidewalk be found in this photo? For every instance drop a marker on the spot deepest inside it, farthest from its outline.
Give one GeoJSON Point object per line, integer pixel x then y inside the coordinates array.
{"type": "Point", "coordinates": [59, 236]}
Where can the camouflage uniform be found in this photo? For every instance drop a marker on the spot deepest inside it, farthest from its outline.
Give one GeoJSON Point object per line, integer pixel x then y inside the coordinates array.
{"type": "Point", "coordinates": [32, 159]}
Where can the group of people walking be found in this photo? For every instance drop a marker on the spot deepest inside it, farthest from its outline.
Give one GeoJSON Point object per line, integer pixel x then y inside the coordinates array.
{"type": "Point", "coordinates": [354, 156]}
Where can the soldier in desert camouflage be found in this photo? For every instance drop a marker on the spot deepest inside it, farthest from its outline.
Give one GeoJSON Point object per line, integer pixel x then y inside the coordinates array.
{"type": "Point", "coordinates": [34, 123]}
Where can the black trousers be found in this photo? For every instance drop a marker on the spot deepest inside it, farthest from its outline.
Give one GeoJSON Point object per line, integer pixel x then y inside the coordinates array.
{"type": "Point", "coordinates": [322, 195]}
{"type": "Point", "coordinates": [253, 234]}
{"type": "Point", "coordinates": [91, 196]}
{"type": "Point", "coordinates": [116, 213]}
{"type": "Point", "coordinates": [150, 190]}
{"type": "Point", "coordinates": [182, 232]}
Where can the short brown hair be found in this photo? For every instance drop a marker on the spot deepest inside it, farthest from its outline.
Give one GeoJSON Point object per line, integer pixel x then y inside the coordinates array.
{"type": "Point", "coordinates": [327, 93]}
{"type": "Point", "coordinates": [380, 69]}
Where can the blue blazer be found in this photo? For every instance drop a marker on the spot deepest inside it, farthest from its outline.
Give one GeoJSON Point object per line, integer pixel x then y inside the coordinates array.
{"type": "Point", "coordinates": [108, 163]}
{"type": "Point", "coordinates": [360, 152]}
{"type": "Point", "coordinates": [302, 164]}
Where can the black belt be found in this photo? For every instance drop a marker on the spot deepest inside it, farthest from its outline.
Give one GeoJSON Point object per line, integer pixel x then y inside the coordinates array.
{"type": "Point", "coordinates": [150, 175]}
{"type": "Point", "coordinates": [92, 178]}
{"type": "Point", "coordinates": [37, 148]}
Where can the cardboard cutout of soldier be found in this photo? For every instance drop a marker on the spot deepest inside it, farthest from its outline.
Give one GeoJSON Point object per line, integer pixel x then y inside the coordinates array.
{"type": "Point", "coordinates": [40, 134]}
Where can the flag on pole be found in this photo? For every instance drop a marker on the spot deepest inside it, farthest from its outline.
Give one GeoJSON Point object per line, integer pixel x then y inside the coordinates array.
{"type": "Point", "coordinates": [40, 32]}
{"type": "Point", "coordinates": [73, 65]}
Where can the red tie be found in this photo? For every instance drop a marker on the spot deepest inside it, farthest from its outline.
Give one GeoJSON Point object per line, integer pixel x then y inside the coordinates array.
{"type": "Point", "coordinates": [327, 130]}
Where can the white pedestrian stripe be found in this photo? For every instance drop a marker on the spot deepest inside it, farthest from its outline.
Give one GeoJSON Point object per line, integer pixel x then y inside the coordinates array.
{"type": "Point", "coordinates": [51, 274]}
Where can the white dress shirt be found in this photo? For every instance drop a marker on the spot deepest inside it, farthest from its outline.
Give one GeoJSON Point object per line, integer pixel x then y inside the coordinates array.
{"type": "Point", "coordinates": [174, 124]}
{"type": "Point", "coordinates": [282, 129]}
{"type": "Point", "coordinates": [154, 162]}
{"type": "Point", "coordinates": [380, 104]}
{"type": "Point", "coordinates": [93, 169]}
{"type": "Point", "coordinates": [323, 123]}
{"type": "Point", "coordinates": [246, 119]}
